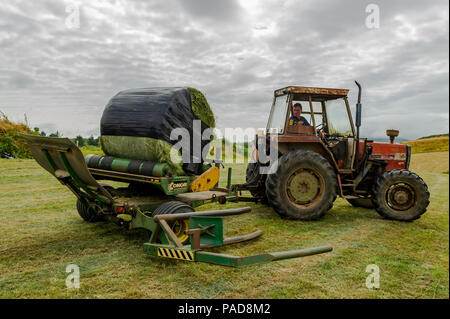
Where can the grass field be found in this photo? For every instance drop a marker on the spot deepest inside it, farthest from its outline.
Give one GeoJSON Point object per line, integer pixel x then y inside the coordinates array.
{"type": "Point", "coordinates": [41, 233]}
{"type": "Point", "coordinates": [90, 149]}
{"type": "Point", "coordinates": [437, 162]}
{"type": "Point", "coordinates": [426, 145]}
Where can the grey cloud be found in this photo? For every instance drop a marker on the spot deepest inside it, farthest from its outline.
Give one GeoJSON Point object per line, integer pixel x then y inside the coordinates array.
{"type": "Point", "coordinates": [216, 11]}
{"type": "Point", "coordinates": [20, 81]}
{"type": "Point", "coordinates": [235, 54]}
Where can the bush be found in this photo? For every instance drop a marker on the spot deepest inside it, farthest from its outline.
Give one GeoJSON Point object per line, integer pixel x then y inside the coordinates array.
{"type": "Point", "coordinates": [10, 140]}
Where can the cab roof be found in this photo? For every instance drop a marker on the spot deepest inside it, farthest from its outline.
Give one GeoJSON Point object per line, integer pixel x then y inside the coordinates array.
{"type": "Point", "coordinates": [302, 93]}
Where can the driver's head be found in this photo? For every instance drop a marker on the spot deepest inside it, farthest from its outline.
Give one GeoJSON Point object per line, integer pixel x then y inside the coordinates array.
{"type": "Point", "coordinates": [297, 110]}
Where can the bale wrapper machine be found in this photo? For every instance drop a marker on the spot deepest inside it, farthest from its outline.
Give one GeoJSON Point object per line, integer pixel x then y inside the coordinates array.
{"type": "Point", "coordinates": [163, 205]}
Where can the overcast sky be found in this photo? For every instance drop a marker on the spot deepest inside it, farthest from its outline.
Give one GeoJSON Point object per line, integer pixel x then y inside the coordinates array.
{"type": "Point", "coordinates": [236, 52]}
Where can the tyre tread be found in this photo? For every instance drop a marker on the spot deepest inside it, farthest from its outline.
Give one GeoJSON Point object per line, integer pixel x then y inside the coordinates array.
{"type": "Point", "coordinates": [377, 198]}
{"type": "Point", "coordinates": [273, 184]}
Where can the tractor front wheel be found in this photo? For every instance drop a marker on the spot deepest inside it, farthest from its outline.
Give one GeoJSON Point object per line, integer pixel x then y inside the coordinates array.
{"type": "Point", "coordinates": [400, 195]}
{"type": "Point", "coordinates": [304, 186]}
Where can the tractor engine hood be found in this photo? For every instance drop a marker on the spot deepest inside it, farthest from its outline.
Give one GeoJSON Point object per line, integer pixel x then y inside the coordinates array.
{"type": "Point", "coordinates": [397, 156]}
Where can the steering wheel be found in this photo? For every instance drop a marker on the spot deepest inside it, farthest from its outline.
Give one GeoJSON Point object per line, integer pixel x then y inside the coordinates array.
{"type": "Point", "coordinates": [320, 129]}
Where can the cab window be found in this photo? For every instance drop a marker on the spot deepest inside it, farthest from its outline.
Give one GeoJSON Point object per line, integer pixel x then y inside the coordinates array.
{"type": "Point", "coordinates": [306, 111]}
{"type": "Point", "coordinates": [338, 118]}
{"type": "Point", "coordinates": [278, 115]}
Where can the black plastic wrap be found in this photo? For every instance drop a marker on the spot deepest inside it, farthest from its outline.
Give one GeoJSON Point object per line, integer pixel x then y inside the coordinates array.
{"type": "Point", "coordinates": [151, 112]}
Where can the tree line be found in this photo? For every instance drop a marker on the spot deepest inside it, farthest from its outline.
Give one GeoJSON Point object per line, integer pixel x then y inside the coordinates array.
{"type": "Point", "coordinates": [79, 140]}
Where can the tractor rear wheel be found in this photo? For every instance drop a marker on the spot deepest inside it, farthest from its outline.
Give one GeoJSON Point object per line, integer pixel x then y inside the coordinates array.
{"type": "Point", "coordinates": [304, 186]}
{"type": "Point", "coordinates": [88, 212]}
{"type": "Point", "coordinates": [252, 177]}
{"type": "Point", "coordinates": [400, 195]}
{"type": "Point", "coordinates": [365, 202]}
{"type": "Point", "coordinates": [178, 226]}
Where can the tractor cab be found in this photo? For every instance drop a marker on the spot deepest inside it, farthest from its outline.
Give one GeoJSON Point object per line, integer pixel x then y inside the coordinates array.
{"type": "Point", "coordinates": [326, 110]}
{"type": "Point", "coordinates": [328, 119]}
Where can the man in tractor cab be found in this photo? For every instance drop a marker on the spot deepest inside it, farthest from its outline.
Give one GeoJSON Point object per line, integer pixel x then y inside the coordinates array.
{"type": "Point", "coordinates": [296, 117]}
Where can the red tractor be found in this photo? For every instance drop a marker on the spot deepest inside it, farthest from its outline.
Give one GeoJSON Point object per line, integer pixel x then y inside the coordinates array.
{"type": "Point", "coordinates": [327, 158]}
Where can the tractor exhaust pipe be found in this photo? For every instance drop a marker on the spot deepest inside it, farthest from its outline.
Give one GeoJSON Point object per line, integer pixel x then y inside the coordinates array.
{"type": "Point", "coordinates": [358, 123]}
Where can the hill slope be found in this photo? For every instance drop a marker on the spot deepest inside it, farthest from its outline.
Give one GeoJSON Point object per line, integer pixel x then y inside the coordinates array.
{"type": "Point", "coordinates": [427, 145]}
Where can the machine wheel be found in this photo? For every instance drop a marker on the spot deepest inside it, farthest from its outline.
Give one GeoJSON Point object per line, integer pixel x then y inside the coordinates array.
{"type": "Point", "coordinates": [88, 212]}
{"type": "Point", "coordinates": [400, 195]}
{"type": "Point", "coordinates": [365, 202]}
{"type": "Point", "coordinates": [178, 226]}
{"type": "Point", "coordinates": [303, 187]}
{"type": "Point", "coordinates": [253, 177]}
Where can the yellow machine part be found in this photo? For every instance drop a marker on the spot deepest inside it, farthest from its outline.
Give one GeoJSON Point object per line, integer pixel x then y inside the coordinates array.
{"type": "Point", "coordinates": [206, 181]}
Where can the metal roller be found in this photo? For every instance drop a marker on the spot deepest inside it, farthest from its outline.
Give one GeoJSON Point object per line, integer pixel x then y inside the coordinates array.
{"type": "Point", "coordinates": [130, 166]}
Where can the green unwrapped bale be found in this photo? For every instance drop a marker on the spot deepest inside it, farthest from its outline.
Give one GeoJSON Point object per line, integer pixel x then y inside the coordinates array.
{"type": "Point", "coordinates": [142, 148]}
{"type": "Point", "coordinates": [201, 108]}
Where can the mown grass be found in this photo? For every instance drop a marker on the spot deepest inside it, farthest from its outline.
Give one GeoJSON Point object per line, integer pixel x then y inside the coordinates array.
{"type": "Point", "coordinates": [436, 162]}
{"type": "Point", "coordinates": [41, 233]}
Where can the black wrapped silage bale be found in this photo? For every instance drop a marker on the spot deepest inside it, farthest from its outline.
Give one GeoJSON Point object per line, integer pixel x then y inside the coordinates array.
{"type": "Point", "coordinates": [137, 124]}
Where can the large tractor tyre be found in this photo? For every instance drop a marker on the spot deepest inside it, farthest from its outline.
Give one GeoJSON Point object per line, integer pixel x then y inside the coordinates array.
{"type": "Point", "coordinates": [365, 202]}
{"type": "Point", "coordinates": [400, 195]}
{"type": "Point", "coordinates": [253, 177]}
{"type": "Point", "coordinates": [178, 226]}
{"type": "Point", "coordinates": [304, 186]}
{"type": "Point", "coordinates": [88, 212]}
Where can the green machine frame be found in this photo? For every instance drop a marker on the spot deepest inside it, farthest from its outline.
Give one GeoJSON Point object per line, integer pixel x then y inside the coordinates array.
{"type": "Point", "coordinates": [206, 231]}
{"type": "Point", "coordinates": [64, 160]}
